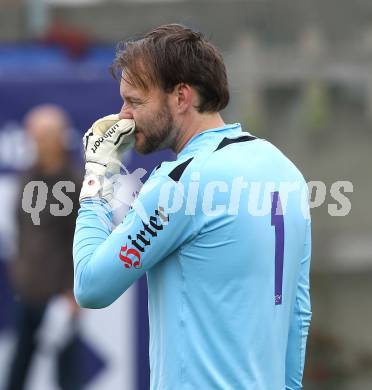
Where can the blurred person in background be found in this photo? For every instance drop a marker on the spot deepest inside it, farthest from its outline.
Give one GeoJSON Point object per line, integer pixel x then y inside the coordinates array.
{"type": "Point", "coordinates": [42, 268]}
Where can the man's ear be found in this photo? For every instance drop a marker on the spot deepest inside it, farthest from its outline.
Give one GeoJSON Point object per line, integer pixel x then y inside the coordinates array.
{"type": "Point", "coordinates": [185, 97]}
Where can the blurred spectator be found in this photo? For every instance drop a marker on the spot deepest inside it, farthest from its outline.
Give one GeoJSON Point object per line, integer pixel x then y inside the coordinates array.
{"type": "Point", "coordinates": [42, 268]}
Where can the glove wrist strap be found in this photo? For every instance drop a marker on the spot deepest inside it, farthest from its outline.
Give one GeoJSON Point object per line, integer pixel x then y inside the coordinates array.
{"type": "Point", "coordinates": [96, 184]}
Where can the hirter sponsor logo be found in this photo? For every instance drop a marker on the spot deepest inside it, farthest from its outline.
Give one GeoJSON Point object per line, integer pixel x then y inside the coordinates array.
{"type": "Point", "coordinates": [130, 254]}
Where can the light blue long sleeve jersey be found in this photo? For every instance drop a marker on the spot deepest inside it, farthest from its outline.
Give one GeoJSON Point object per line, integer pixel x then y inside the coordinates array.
{"type": "Point", "coordinates": [223, 235]}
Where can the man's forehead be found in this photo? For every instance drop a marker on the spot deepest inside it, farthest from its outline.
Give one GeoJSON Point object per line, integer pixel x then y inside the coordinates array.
{"type": "Point", "coordinates": [128, 90]}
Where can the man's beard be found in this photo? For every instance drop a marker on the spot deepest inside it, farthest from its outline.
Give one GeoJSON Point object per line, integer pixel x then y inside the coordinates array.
{"type": "Point", "coordinates": [160, 133]}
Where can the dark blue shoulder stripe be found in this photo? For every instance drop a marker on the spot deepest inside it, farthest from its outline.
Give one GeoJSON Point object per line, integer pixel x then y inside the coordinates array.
{"type": "Point", "coordinates": [177, 172]}
{"type": "Point", "coordinates": [228, 141]}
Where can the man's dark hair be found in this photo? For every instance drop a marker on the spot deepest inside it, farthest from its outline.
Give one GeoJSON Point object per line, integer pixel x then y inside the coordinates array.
{"type": "Point", "coordinates": [172, 54]}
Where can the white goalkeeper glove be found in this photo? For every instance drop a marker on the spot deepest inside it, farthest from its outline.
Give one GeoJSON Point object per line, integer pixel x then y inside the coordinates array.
{"type": "Point", "coordinates": [104, 144]}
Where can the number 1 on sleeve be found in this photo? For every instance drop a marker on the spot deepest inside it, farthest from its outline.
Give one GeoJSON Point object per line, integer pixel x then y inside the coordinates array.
{"type": "Point", "coordinates": [277, 221]}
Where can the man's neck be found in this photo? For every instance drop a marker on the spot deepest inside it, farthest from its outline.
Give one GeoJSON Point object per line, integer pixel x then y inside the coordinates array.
{"type": "Point", "coordinates": [50, 165]}
{"type": "Point", "coordinates": [196, 125]}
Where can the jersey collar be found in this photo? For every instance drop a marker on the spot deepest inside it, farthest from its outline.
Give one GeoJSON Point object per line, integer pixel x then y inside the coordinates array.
{"type": "Point", "coordinates": [192, 142]}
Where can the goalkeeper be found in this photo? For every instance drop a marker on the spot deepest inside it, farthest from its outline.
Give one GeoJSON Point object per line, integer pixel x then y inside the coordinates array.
{"type": "Point", "coordinates": [229, 303]}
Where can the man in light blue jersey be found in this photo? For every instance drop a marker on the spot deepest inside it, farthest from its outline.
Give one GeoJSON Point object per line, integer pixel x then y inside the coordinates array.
{"type": "Point", "coordinates": [222, 233]}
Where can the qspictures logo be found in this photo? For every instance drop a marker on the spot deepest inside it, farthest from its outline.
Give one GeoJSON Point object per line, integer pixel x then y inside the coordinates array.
{"type": "Point", "coordinates": [130, 254]}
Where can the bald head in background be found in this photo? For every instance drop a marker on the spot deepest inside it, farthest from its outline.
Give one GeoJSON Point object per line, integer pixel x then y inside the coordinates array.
{"type": "Point", "coordinates": [47, 125]}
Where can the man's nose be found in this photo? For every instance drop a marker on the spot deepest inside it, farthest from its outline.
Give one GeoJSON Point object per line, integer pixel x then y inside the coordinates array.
{"type": "Point", "coordinates": [125, 113]}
